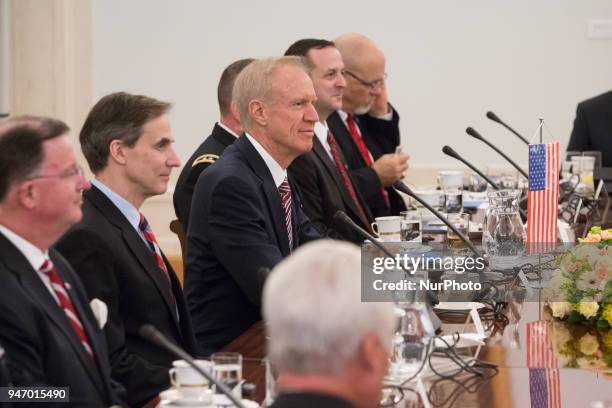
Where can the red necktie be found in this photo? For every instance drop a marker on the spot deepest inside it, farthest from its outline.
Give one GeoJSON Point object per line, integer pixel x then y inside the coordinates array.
{"type": "Point", "coordinates": [363, 150]}
{"type": "Point", "coordinates": [333, 147]}
{"type": "Point", "coordinates": [153, 246]}
{"type": "Point", "coordinates": [60, 291]}
{"type": "Point", "coordinates": [285, 193]}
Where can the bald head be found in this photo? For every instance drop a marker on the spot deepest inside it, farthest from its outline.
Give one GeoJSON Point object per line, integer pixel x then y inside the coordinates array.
{"type": "Point", "coordinates": [359, 53]}
{"type": "Point", "coordinates": [364, 66]}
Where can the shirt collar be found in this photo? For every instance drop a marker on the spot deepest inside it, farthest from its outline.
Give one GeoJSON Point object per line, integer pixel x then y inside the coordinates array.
{"type": "Point", "coordinates": [34, 255]}
{"type": "Point", "coordinates": [127, 209]}
{"type": "Point", "coordinates": [278, 173]}
{"type": "Point", "coordinates": [320, 130]}
{"type": "Point", "coordinates": [228, 130]}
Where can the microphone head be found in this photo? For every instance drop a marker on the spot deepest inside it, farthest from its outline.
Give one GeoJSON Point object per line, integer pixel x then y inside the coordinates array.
{"type": "Point", "coordinates": [493, 117]}
{"type": "Point", "coordinates": [449, 151]}
{"type": "Point", "coordinates": [472, 132]}
{"type": "Point", "coordinates": [147, 331]}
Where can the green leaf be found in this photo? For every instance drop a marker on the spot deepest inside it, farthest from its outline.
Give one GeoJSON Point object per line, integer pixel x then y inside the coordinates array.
{"type": "Point", "coordinates": [602, 324]}
{"type": "Point", "coordinates": [575, 317]}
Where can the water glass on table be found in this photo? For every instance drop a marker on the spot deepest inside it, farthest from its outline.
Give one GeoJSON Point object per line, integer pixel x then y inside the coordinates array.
{"type": "Point", "coordinates": [227, 369]}
{"type": "Point", "coordinates": [461, 221]}
{"type": "Point", "coordinates": [411, 226]}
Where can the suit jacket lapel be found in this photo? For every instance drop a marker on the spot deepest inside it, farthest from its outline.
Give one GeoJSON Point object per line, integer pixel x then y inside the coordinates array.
{"type": "Point", "coordinates": [32, 283]}
{"type": "Point", "coordinates": [137, 246]}
{"type": "Point", "coordinates": [271, 193]}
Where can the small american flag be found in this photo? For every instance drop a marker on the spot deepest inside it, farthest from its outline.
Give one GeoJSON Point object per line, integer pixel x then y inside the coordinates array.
{"type": "Point", "coordinates": [543, 196]}
{"type": "Point", "coordinates": [544, 384]}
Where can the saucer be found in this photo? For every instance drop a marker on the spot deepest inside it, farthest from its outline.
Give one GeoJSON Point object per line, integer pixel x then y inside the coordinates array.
{"type": "Point", "coordinates": [174, 398]}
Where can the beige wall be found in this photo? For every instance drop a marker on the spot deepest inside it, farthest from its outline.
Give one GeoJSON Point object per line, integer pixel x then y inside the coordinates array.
{"type": "Point", "coordinates": [52, 75]}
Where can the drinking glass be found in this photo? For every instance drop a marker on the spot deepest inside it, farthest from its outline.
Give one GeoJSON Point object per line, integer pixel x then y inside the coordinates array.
{"type": "Point", "coordinates": [410, 226]}
{"type": "Point", "coordinates": [227, 368]}
{"type": "Point", "coordinates": [461, 221]}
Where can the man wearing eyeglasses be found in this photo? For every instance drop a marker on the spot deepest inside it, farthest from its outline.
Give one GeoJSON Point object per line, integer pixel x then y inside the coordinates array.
{"type": "Point", "coordinates": [127, 141]}
{"type": "Point", "coordinates": [366, 127]}
{"type": "Point", "coordinates": [47, 327]}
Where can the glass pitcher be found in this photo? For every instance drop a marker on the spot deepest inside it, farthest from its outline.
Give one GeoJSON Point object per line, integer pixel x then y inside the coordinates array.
{"type": "Point", "coordinates": [411, 341]}
{"type": "Point", "coordinates": [503, 235]}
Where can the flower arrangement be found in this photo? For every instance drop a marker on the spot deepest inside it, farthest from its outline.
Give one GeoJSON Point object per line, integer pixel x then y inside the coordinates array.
{"type": "Point", "coordinates": [582, 347]}
{"type": "Point", "coordinates": [581, 288]}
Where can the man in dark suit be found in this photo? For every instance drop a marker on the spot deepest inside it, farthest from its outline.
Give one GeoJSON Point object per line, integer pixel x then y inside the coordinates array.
{"type": "Point", "coordinates": [593, 127]}
{"type": "Point", "coordinates": [366, 127]}
{"type": "Point", "coordinates": [224, 133]}
{"type": "Point", "coordinates": [127, 142]}
{"type": "Point", "coordinates": [321, 174]}
{"type": "Point", "coordinates": [47, 327]}
{"type": "Point", "coordinates": [246, 212]}
{"type": "Point", "coordinates": [346, 364]}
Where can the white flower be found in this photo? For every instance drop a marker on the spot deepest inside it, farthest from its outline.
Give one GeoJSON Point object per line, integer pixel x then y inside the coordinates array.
{"type": "Point", "coordinates": [560, 309]}
{"type": "Point", "coordinates": [588, 344]}
{"type": "Point", "coordinates": [588, 280]}
{"type": "Point", "coordinates": [560, 336]}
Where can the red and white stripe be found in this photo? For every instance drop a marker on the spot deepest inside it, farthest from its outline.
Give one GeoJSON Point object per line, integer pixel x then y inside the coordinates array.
{"type": "Point", "coordinates": [542, 206]}
{"type": "Point", "coordinates": [66, 304]}
{"type": "Point", "coordinates": [285, 193]}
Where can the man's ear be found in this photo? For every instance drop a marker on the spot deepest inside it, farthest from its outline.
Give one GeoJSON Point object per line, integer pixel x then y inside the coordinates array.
{"type": "Point", "coordinates": [372, 354]}
{"type": "Point", "coordinates": [116, 151]}
{"type": "Point", "coordinates": [26, 194]}
{"type": "Point", "coordinates": [258, 112]}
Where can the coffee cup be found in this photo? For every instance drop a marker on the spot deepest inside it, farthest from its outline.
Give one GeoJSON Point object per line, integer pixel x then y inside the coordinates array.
{"type": "Point", "coordinates": [387, 228]}
{"type": "Point", "coordinates": [188, 381]}
{"type": "Point", "coordinates": [450, 179]}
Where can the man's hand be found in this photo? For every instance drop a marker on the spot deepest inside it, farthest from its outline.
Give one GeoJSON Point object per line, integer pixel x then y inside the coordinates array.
{"type": "Point", "coordinates": [390, 167]}
{"type": "Point", "coordinates": [380, 106]}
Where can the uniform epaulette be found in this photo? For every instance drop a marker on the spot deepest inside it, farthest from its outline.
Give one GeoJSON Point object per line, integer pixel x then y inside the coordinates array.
{"type": "Point", "coordinates": [207, 158]}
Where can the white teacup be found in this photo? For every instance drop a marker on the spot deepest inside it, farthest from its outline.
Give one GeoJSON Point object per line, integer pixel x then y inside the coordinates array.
{"type": "Point", "coordinates": [432, 197]}
{"type": "Point", "coordinates": [387, 228]}
{"type": "Point", "coordinates": [188, 381]}
{"type": "Point", "coordinates": [450, 179]}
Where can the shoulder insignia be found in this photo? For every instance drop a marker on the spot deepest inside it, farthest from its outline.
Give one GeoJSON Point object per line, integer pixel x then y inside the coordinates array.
{"type": "Point", "coordinates": [205, 159]}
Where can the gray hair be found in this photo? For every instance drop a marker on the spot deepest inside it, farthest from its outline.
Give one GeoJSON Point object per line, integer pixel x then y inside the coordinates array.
{"type": "Point", "coordinates": [313, 311]}
{"type": "Point", "coordinates": [255, 83]}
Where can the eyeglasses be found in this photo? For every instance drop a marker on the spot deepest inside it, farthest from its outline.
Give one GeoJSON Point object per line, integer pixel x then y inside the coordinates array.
{"type": "Point", "coordinates": [75, 170]}
{"type": "Point", "coordinates": [377, 83]}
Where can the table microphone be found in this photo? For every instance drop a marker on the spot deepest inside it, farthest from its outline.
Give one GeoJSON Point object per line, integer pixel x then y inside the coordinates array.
{"type": "Point", "coordinates": [398, 185]}
{"type": "Point", "coordinates": [151, 334]}
{"type": "Point", "coordinates": [472, 132]}
{"type": "Point", "coordinates": [496, 118]}
{"type": "Point", "coordinates": [449, 151]}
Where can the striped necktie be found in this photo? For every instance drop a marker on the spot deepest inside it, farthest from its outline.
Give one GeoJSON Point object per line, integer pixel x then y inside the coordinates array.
{"type": "Point", "coordinates": [285, 193]}
{"type": "Point", "coordinates": [144, 226]}
{"type": "Point", "coordinates": [66, 304]}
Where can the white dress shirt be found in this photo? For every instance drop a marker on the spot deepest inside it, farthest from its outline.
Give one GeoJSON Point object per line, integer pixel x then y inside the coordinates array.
{"type": "Point", "coordinates": [320, 131]}
{"type": "Point", "coordinates": [278, 173]}
{"type": "Point", "coordinates": [34, 255]}
{"type": "Point", "coordinates": [228, 130]}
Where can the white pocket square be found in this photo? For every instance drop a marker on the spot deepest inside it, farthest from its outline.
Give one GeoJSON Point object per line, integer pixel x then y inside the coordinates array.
{"type": "Point", "coordinates": [100, 311]}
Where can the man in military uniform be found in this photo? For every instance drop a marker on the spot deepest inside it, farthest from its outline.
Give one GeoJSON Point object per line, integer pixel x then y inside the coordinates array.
{"type": "Point", "coordinates": [223, 134]}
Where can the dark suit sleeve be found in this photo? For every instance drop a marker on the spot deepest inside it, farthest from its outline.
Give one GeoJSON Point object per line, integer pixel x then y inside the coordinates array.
{"type": "Point", "coordinates": [238, 235]}
{"type": "Point", "coordinates": [385, 133]}
{"type": "Point", "coordinates": [93, 261]}
{"type": "Point", "coordinates": [19, 338]}
{"type": "Point", "coordinates": [580, 138]}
